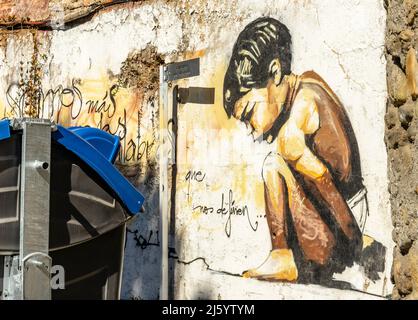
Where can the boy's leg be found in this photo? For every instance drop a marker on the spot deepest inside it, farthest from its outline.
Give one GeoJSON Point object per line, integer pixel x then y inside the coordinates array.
{"type": "Point", "coordinates": [324, 189]}
{"type": "Point", "coordinates": [314, 236]}
{"type": "Point", "coordinates": [275, 197]}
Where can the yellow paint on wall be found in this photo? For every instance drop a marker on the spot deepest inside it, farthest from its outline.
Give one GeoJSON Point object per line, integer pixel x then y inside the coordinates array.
{"type": "Point", "coordinates": [202, 130]}
{"type": "Point", "coordinates": [98, 102]}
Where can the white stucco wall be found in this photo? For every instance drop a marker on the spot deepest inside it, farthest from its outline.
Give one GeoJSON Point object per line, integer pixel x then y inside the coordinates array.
{"type": "Point", "coordinates": [343, 41]}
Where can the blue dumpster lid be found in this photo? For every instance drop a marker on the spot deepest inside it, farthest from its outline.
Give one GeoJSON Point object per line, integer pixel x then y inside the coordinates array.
{"type": "Point", "coordinates": [107, 144]}
{"type": "Point", "coordinates": [4, 129]}
{"type": "Point", "coordinates": [98, 149]}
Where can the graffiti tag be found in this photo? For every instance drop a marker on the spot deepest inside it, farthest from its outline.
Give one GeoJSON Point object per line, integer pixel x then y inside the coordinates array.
{"type": "Point", "coordinates": [228, 209]}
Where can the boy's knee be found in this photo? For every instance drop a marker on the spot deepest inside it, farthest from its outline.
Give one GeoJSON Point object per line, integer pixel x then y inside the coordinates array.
{"type": "Point", "coordinates": [273, 163]}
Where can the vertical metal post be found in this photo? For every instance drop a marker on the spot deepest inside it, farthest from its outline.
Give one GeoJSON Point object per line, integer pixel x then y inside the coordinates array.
{"type": "Point", "coordinates": [35, 263]}
{"type": "Point", "coordinates": [168, 153]}
{"type": "Point", "coordinates": [164, 203]}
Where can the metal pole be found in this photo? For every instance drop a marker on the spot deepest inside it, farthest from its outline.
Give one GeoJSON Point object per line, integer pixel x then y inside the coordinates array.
{"type": "Point", "coordinates": [163, 162]}
{"type": "Point", "coordinates": [168, 151]}
{"type": "Point", "coordinates": [34, 260]}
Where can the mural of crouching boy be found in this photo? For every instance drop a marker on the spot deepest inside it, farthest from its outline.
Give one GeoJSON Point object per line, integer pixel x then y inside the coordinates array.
{"type": "Point", "coordinates": [315, 170]}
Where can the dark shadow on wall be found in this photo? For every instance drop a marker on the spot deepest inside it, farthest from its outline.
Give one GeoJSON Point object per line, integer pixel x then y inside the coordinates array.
{"type": "Point", "coordinates": [204, 293]}
{"type": "Point", "coordinates": [144, 259]}
{"type": "Point", "coordinates": [373, 260]}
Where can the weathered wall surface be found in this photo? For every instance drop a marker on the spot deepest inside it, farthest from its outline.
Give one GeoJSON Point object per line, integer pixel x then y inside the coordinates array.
{"type": "Point", "coordinates": [402, 142]}
{"type": "Point", "coordinates": [221, 212]}
{"type": "Point", "coordinates": [96, 63]}
{"type": "Point", "coordinates": [102, 73]}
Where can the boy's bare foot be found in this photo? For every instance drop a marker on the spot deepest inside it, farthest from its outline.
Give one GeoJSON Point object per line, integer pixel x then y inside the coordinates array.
{"type": "Point", "coordinates": [279, 266]}
{"type": "Point", "coordinates": [367, 241]}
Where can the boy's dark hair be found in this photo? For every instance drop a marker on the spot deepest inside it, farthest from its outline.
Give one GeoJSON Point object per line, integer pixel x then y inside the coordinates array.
{"type": "Point", "coordinates": [257, 45]}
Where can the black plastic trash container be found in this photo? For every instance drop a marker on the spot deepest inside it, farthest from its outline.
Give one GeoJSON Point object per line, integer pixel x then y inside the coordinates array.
{"type": "Point", "coordinates": [87, 222]}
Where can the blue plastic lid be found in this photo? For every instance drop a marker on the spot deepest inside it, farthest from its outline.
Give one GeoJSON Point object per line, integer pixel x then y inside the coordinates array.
{"type": "Point", "coordinates": [107, 144]}
{"type": "Point", "coordinates": [127, 193]}
{"type": "Point", "coordinates": [98, 149]}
